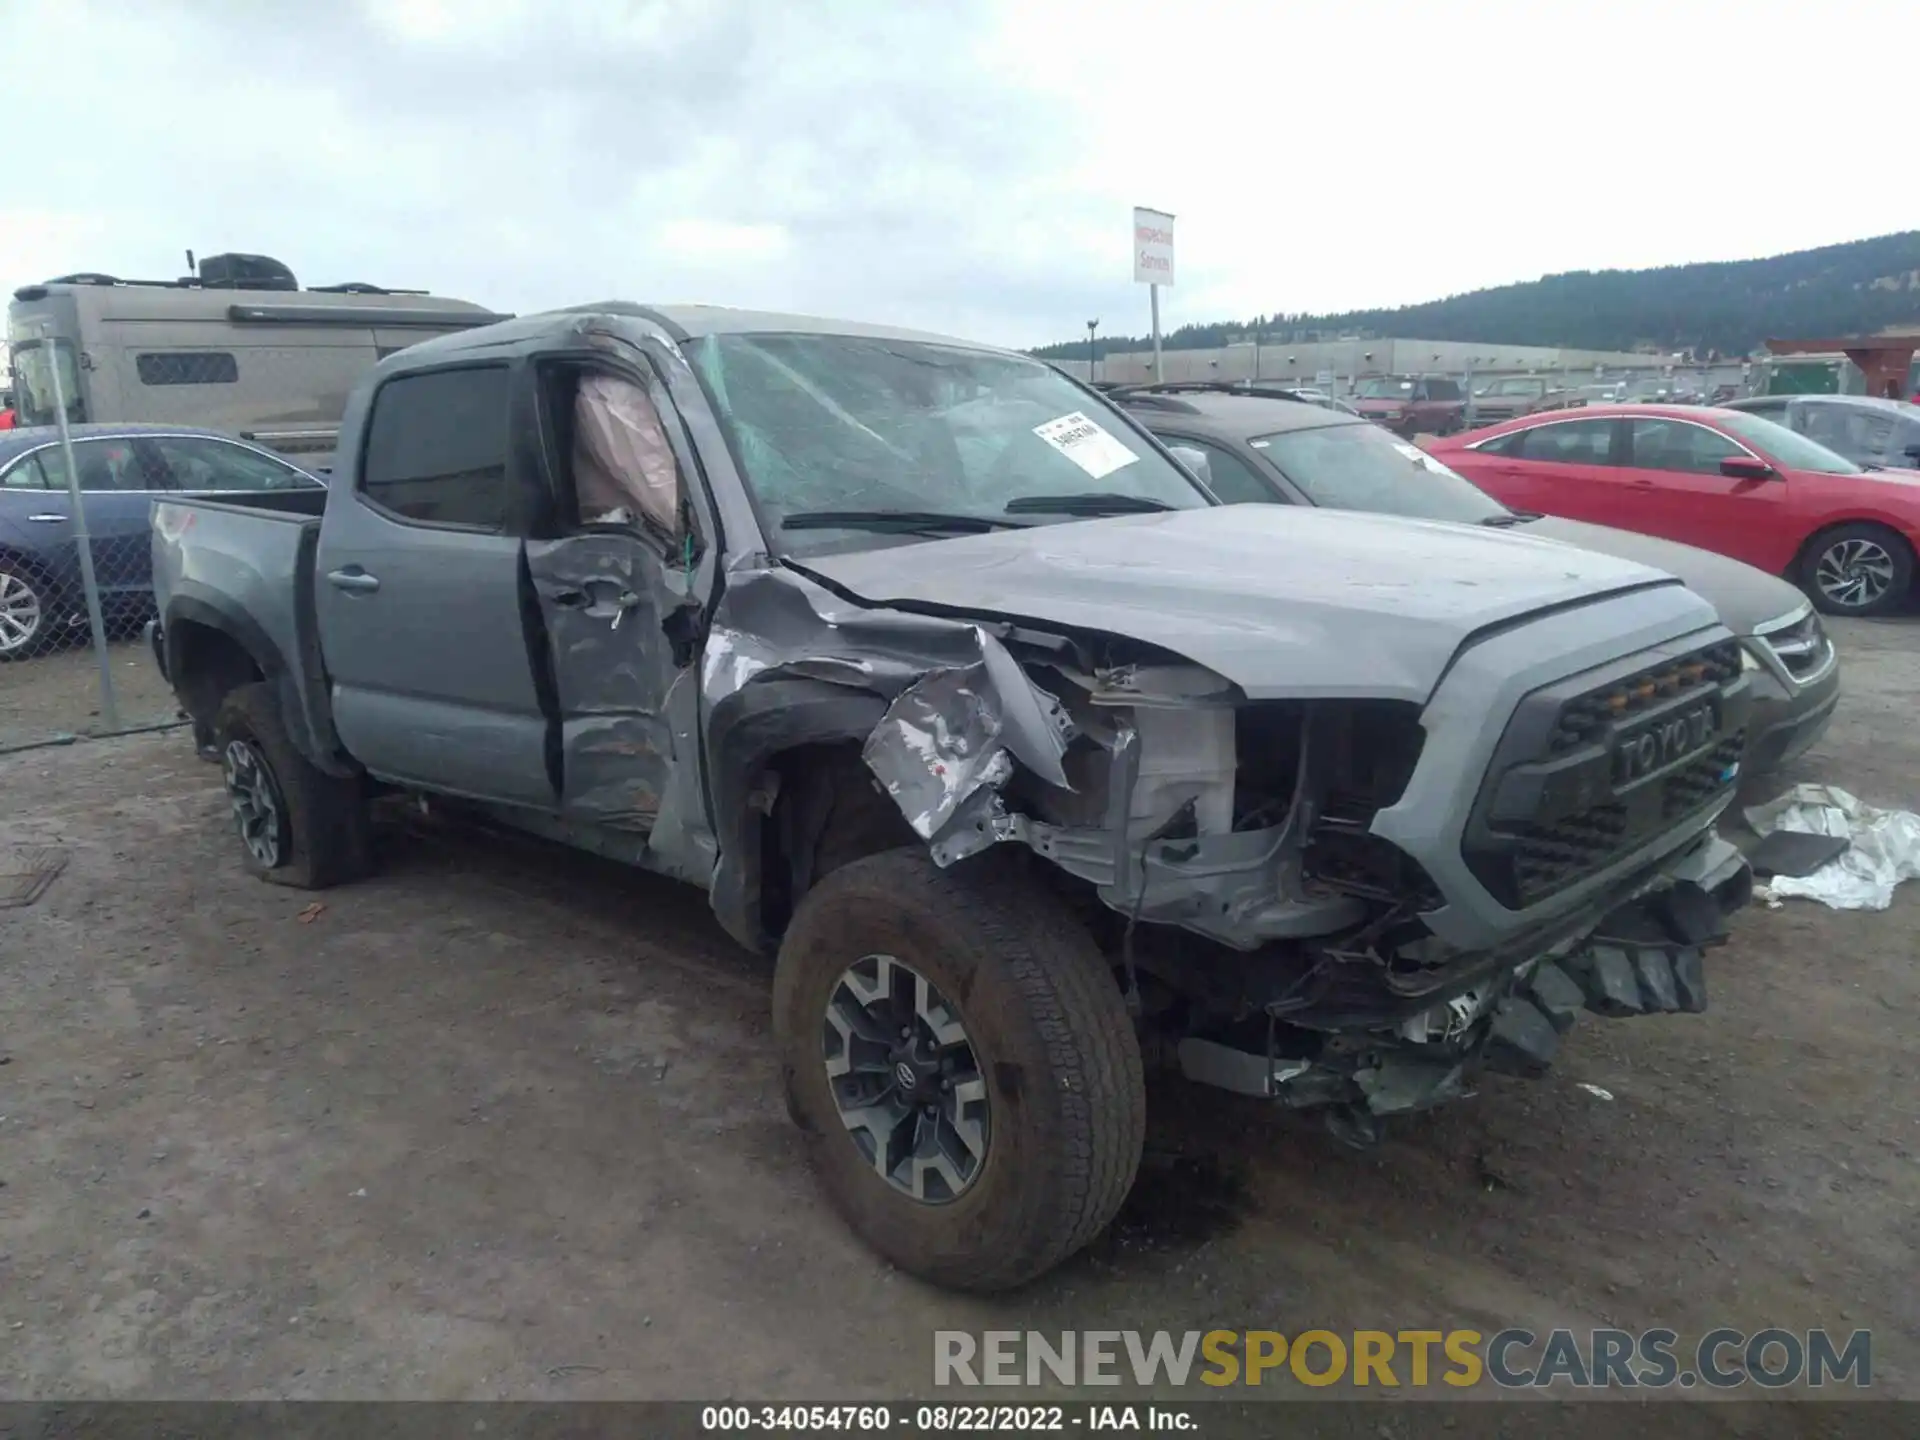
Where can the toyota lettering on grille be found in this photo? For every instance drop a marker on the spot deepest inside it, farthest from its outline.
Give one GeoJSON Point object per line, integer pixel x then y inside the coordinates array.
{"type": "Point", "coordinates": [1652, 748]}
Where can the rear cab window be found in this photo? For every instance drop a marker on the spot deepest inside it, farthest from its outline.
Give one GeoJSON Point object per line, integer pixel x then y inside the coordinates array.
{"type": "Point", "coordinates": [436, 448]}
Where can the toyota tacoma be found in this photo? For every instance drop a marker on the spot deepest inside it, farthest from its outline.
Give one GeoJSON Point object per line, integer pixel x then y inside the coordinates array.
{"type": "Point", "coordinates": [1024, 757]}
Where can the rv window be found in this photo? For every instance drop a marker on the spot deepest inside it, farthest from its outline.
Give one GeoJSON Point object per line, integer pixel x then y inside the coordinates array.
{"type": "Point", "coordinates": [187, 367]}
{"type": "Point", "coordinates": [437, 448]}
{"type": "Point", "coordinates": [33, 383]}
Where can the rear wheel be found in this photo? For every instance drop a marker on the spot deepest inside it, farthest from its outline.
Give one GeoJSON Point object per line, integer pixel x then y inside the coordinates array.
{"type": "Point", "coordinates": [1858, 569]}
{"type": "Point", "coordinates": [961, 1061]}
{"type": "Point", "coordinates": [26, 611]}
{"type": "Point", "coordinates": [298, 825]}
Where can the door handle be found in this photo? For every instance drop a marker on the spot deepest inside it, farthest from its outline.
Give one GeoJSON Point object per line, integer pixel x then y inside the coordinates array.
{"type": "Point", "coordinates": [353, 579]}
{"type": "Point", "coordinates": [48, 519]}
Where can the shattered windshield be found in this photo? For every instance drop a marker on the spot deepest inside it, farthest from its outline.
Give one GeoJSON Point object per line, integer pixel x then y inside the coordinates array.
{"type": "Point", "coordinates": [855, 441]}
{"type": "Point", "coordinates": [1362, 467]}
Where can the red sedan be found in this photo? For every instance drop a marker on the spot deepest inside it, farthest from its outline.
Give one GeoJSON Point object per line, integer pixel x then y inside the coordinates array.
{"type": "Point", "coordinates": [1719, 479]}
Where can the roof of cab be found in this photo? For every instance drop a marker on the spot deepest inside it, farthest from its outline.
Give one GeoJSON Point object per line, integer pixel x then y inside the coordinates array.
{"type": "Point", "coordinates": [683, 322]}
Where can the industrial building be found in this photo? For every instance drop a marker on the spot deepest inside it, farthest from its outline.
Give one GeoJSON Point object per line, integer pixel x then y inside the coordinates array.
{"type": "Point", "coordinates": [1337, 364]}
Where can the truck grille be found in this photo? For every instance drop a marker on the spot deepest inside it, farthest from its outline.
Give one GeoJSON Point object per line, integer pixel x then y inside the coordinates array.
{"type": "Point", "coordinates": [1586, 718]}
{"type": "Point", "coordinates": [1586, 774]}
{"type": "Point", "coordinates": [1551, 856]}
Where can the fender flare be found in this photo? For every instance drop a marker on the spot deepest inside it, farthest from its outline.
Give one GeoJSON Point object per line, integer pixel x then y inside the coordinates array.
{"type": "Point", "coordinates": [747, 729]}
{"type": "Point", "coordinates": [196, 604]}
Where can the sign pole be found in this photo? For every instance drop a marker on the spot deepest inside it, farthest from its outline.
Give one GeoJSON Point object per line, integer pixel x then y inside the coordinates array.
{"type": "Point", "coordinates": [1153, 267]}
{"type": "Point", "coordinates": [1159, 376]}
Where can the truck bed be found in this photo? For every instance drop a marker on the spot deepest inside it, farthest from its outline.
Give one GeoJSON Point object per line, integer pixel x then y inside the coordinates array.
{"type": "Point", "coordinates": [247, 567]}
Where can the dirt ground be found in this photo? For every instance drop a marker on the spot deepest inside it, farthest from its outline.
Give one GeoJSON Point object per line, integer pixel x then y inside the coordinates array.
{"type": "Point", "coordinates": [59, 693]}
{"type": "Point", "coordinates": [502, 1122]}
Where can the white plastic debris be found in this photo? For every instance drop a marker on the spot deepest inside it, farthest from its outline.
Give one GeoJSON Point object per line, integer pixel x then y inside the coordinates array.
{"type": "Point", "coordinates": [1885, 847]}
{"type": "Point", "coordinates": [1598, 1092]}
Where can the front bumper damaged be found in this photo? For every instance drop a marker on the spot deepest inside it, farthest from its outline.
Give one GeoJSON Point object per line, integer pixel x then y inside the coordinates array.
{"type": "Point", "coordinates": [1645, 958]}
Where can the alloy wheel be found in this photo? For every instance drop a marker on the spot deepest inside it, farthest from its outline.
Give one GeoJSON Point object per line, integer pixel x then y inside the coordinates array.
{"type": "Point", "coordinates": [21, 614]}
{"type": "Point", "coordinates": [905, 1078]}
{"type": "Point", "coordinates": [1854, 573]}
{"type": "Point", "coordinates": [255, 799]}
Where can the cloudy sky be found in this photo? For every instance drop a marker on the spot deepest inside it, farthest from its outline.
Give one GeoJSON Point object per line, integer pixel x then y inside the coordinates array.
{"type": "Point", "coordinates": [964, 165]}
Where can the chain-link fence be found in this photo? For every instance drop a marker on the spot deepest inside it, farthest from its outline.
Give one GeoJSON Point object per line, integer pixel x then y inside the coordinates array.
{"type": "Point", "coordinates": [76, 585]}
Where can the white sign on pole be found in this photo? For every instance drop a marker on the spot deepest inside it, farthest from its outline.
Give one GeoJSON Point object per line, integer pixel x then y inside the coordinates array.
{"type": "Point", "coordinates": [1152, 247]}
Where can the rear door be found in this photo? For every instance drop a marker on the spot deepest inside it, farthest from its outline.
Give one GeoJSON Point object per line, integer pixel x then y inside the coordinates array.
{"type": "Point", "coordinates": [423, 612]}
{"type": "Point", "coordinates": [615, 582]}
{"type": "Point", "coordinates": [1676, 490]}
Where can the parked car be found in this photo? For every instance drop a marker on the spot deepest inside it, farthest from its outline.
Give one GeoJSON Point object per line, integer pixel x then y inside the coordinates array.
{"type": "Point", "coordinates": [1873, 433]}
{"type": "Point", "coordinates": [1721, 479]}
{"type": "Point", "coordinates": [122, 468]}
{"type": "Point", "coordinates": [961, 696]}
{"type": "Point", "coordinates": [1511, 395]}
{"type": "Point", "coordinates": [1412, 405]}
{"type": "Point", "coordinates": [1265, 451]}
{"type": "Point", "coordinates": [1305, 395]}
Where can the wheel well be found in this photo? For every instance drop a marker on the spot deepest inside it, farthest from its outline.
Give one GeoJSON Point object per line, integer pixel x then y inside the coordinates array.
{"type": "Point", "coordinates": [828, 810]}
{"type": "Point", "coordinates": [208, 664]}
{"type": "Point", "coordinates": [1810, 545]}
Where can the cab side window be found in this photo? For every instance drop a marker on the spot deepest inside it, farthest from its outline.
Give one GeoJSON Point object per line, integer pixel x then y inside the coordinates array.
{"type": "Point", "coordinates": [436, 450]}
{"type": "Point", "coordinates": [1230, 477]}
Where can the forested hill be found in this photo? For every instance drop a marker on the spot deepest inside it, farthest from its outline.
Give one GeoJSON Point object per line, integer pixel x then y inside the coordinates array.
{"type": "Point", "coordinates": [1724, 308]}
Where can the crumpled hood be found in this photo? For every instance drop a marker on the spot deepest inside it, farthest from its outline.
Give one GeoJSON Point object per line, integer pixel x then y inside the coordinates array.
{"type": "Point", "coordinates": [1744, 595]}
{"type": "Point", "coordinates": [1283, 601]}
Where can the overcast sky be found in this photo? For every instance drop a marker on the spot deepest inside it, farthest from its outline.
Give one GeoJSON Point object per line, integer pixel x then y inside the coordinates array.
{"type": "Point", "coordinates": [967, 165]}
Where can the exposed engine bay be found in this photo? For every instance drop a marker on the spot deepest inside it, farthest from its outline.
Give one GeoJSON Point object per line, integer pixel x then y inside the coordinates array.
{"type": "Point", "coordinates": [1228, 856]}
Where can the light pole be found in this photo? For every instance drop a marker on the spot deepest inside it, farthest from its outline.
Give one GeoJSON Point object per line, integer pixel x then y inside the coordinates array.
{"type": "Point", "coordinates": [1093, 354]}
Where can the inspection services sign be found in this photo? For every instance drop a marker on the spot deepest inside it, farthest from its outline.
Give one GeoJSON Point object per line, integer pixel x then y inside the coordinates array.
{"type": "Point", "coordinates": [1152, 246]}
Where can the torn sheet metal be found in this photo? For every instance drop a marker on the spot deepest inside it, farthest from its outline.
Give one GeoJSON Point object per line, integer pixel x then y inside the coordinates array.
{"type": "Point", "coordinates": [938, 743]}
{"type": "Point", "coordinates": [1885, 847]}
{"type": "Point", "coordinates": [959, 698]}
{"type": "Point", "coordinates": [602, 602]}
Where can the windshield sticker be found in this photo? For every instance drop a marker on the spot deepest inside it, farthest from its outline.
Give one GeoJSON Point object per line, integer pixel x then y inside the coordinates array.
{"type": "Point", "coordinates": [1423, 459]}
{"type": "Point", "coordinates": [1087, 445]}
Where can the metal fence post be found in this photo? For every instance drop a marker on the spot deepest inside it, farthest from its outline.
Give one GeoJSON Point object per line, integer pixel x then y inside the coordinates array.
{"type": "Point", "coordinates": [109, 711]}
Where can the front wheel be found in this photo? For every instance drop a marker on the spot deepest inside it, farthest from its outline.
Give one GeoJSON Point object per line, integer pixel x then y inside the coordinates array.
{"type": "Point", "coordinates": [959, 1057]}
{"type": "Point", "coordinates": [1858, 569]}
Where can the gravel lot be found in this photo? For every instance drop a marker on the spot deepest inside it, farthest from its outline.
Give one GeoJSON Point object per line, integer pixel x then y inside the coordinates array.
{"type": "Point", "coordinates": [502, 1122]}
{"type": "Point", "coordinates": [59, 693]}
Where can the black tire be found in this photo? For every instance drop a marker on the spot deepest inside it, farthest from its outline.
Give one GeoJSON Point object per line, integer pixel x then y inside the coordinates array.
{"type": "Point", "coordinates": [1834, 543]}
{"type": "Point", "coordinates": [1065, 1093]}
{"type": "Point", "coordinates": [318, 833]}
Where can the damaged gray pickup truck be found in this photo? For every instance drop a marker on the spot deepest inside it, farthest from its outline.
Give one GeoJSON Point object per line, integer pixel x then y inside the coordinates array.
{"type": "Point", "coordinates": [958, 693]}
